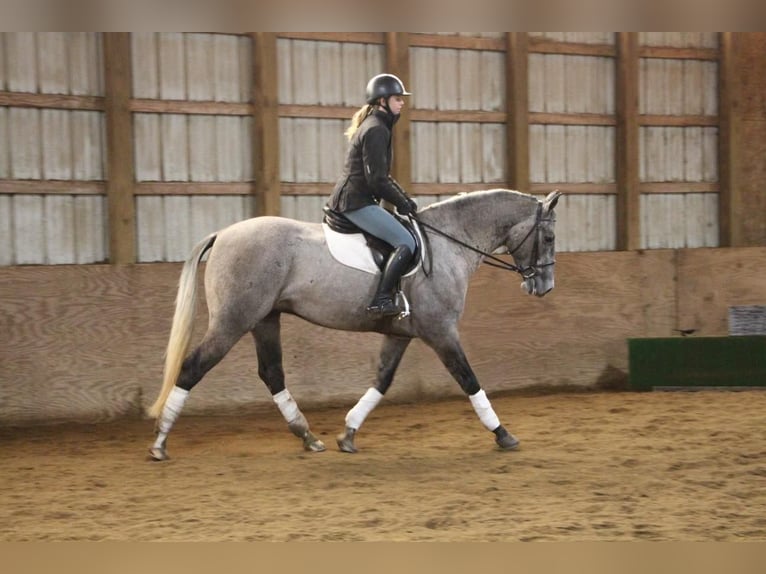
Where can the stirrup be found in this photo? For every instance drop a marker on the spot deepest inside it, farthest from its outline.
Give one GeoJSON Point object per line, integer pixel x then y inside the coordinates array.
{"type": "Point", "coordinates": [383, 308]}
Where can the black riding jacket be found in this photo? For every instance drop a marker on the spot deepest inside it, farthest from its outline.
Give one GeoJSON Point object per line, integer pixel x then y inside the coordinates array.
{"type": "Point", "coordinates": [365, 179]}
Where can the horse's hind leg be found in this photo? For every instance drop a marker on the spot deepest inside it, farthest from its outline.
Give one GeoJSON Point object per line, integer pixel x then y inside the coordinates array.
{"type": "Point", "coordinates": [390, 355]}
{"type": "Point", "coordinates": [205, 356]}
{"type": "Point", "coordinates": [269, 348]}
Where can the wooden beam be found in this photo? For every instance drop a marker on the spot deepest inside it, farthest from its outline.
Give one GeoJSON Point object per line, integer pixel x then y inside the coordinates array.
{"type": "Point", "coordinates": [317, 111]}
{"type": "Point", "coordinates": [678, 187]}
{"type": "Point", "coordinates": [546, 46]}
{"type": "Point", "coordinates": [265, 125]}
{"type": "Point", "coordinates": [729, 141]}
{"type": "Point", "coordinates": [574, 188]}
{"type": "Point", "coordinates": [51, 101]}
{"type": "Point", "coordinates": [51, 187]}
{"type": "Point", "coordinates": [677, 121]}
{"type": "Point", "coordinates": [517, 108]}
{"type": "Point", "coordinates": [194, 188]}
{"type": "Point", "coordinates": [627, 143]}
{"type": "Point", "coordinates": [119, 146]}
{"type": "Point", "coordinates": [572, 119]}
{"type": "Point", "coordinates": [398, 63]}
{"type": "Point", "coordinates": [190, 107]}
{"type": "Point", "coordinates": [325, 188]}
{"type": "Point", "coordinates": [308, 188]}
{"type": "Point", "coordinates": [353, 37]}
{"type": "Point", "coordinates": [677, 53]}
{"type": "Point", "coordinates": [455, 188]}
{"type": "Point", "coordinates": [457, 42]}
{"type": "Point", "coordinates": [470, 116]}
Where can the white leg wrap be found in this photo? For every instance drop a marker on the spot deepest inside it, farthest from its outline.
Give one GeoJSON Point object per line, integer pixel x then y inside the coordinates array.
{"type": "Point", "coordinates": [287, 406]}
{"type": "Point", "coordinates": [369, 401]}
{"type": "Point", "coordinates": [173, 406]}
{"type": "Point", "coordinates": [485, 411]}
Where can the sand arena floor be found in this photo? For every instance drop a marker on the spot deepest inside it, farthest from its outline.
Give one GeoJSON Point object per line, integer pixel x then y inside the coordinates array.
{"type": "Point", "coordinates": [686, 466]}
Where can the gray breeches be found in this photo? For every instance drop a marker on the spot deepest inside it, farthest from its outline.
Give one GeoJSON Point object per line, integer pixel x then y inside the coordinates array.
{"type": "Point", "coordinates": [380, 223]}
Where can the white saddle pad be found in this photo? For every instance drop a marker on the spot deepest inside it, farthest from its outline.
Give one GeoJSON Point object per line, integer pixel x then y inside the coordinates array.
{"type": "Point", "coordinates": [351, 250]}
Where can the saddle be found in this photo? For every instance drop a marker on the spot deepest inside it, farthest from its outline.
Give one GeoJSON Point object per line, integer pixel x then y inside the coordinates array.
{"type": "Point", "coordinates": [379, 249]}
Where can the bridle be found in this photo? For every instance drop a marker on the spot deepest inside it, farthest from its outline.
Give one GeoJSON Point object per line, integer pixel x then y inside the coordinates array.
{"type": "Point", "coordinates": [531, 270]}
{"type": "Point", "coordinates": [527, 272]}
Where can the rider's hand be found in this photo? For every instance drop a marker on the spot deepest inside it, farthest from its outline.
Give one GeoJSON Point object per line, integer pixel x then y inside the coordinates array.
{"type": "Point", "coordinates": [412, 207]}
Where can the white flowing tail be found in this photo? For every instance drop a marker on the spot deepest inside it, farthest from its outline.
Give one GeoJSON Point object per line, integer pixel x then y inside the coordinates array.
{"type": "Point", "coordinates": [183, 322]}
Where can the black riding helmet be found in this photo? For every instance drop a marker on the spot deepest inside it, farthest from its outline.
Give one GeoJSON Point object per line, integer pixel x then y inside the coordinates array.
{"type": "Point", "coordinates": [384, 86]}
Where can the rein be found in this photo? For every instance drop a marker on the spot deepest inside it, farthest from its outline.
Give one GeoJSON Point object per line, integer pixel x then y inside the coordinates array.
{"type": "Point", "coordinates": [526, 272]}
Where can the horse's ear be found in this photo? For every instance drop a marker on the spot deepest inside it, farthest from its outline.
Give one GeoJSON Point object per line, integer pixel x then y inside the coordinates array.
{"type": "Point", "coordinates": [551, 200]}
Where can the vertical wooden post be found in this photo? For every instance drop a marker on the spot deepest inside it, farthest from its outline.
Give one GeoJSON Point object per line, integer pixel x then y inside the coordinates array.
{"type": "Point", "coordinates": [626, 144]}
{"type": "Point", "coordinates": [517, 108]}
{"type": "Point", "coordinates": [398, 63]}
{"type": "Point", "coordinates": [729, 141]}
{"type": "Point", "coordinates": [267, 188]}
{"type": "Point", "coordinates": [119, 147]}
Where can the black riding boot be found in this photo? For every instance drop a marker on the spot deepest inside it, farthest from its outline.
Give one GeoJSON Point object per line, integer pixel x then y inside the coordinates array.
{"type": "Point", "coordinates": [383, 303]}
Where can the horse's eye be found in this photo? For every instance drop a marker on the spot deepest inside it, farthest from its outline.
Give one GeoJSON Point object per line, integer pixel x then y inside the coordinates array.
{"type": "Point", "coordinates": [548, 239]}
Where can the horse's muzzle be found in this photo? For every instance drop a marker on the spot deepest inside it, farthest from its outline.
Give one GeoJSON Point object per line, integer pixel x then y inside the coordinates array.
{"type": "Point", "coordinates": [536, 286]}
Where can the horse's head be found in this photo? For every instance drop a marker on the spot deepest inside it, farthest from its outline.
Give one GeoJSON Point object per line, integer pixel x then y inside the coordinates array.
{"type": "Point", "coordinates": [533, 246]}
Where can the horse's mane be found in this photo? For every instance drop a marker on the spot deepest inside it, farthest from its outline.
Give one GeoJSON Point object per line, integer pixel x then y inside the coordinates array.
{"type": "Point", "coordinates": [468, 197]}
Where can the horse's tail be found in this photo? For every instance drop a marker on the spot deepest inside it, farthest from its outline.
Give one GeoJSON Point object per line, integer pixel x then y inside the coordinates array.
{"type": "Point", "coordinates": [183, 321]}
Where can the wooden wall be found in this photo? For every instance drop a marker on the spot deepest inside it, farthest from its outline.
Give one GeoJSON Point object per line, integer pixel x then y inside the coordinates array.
{"type": "Point", "coordinates": [128, 147]}
{"type": "Point", "coordinates": [52, 156]}
{"type": "Point", "coordinates": [747, 220]}
{"type": "Point", "coordinates": [87, 342]}
{"type": "Point", "coordinates": [188, 156]}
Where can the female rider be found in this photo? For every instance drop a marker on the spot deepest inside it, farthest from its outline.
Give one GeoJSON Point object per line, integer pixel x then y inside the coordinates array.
{"type": "Point", "coordinates": [366, 180]}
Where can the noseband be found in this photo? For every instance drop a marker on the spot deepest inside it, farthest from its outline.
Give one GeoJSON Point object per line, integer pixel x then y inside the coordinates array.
{"type": "Point", "coordinates": [527, 272]}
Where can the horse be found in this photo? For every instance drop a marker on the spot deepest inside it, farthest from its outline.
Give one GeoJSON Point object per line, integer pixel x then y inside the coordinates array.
{"type": "Point", "coordinates": [259, 268]}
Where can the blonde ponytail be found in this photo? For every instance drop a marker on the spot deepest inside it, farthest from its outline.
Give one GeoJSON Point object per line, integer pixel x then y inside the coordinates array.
{"type": "Point", "coordinates": [357, 120]}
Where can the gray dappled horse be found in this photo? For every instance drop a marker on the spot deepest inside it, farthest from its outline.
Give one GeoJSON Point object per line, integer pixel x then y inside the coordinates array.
{"type": "Point", "coordinates": [262, 267]}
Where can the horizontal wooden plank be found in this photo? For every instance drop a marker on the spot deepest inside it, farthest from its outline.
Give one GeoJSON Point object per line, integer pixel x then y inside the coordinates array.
{"type": "Point", "coordinates": [53, 101]}
{"type": "Point", "coordinates": [348, 37]}
{"type": "Point", "coordinates": [677, 53]}
{"type": "Point", "coordinates": [312, 188]}
{"type": "Point", "coordinates": [578, 119]}
{"type": "Point", "coordinates": [51, 187]}
{"type": "Point", "coordinates": [678, 187]}
{"type": "Point", "coordinates": [457, 42]}
{"type": "Point", "coordinates": [469, 116]}
{"type": "Point", "coordinates": [325, 188]}
{"type": "Point", "coordinates": [453, 188]}
{"type": "Point", "coordinates": [190, 107]}
{"type": "Point", "coordinates": [575, 188]}
{"type": "Point", "coordinates": [194, 188]}
{"type": "Point", "coordinates": [417, 115]}
{"type": "Point", "coordinates": [678, 121]}
{"type": "Point", "coordinates": [583, 119]}
{"type": "Point", "coordinates": [546, 46]}
{"type": "Point", "coordinates": [320, 112]}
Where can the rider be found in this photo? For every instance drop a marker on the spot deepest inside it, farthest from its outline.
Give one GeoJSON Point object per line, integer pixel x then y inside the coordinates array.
{"type": "Point", "coordinates": [366, 180]}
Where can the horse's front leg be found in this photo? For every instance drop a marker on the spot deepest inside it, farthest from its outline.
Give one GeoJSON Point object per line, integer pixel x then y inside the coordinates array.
{"type": "Point", "coordinates": [451, 354]}
{"type": "Point", "coordinates": [390, 355]}
{"type": "Point", "coordinates": [269, 348]}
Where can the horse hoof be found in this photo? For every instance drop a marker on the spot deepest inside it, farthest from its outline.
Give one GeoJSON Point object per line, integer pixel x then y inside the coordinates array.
{"type": "Point", "coordinates": [507, 442]}
{"type": "Point", "coordinates": [312, 444]}
{"type": "Point", "coordinates": [345, 441]}
{"type": "Point", "coordinates": [158, 453]}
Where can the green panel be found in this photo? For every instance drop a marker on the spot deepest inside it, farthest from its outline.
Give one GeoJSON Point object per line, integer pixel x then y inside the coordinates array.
{"type": "Point", "coordinates": [697, 362]}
